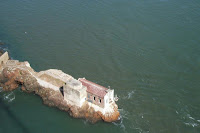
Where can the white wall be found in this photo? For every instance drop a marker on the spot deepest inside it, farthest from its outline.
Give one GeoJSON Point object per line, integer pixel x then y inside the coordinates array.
{"type": "Point", "coordinates": [106, 100]}
{"type": "Point", "coordinates": [4, 58]}
{"type": "Point", "coordinates": [73, 94]}
{"type": "Point", "coordinates": [107, 97]}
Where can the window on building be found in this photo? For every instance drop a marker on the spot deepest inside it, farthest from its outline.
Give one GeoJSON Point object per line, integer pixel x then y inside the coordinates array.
{"type": "Point", "coordinates": [99, 100]}
{"type": "Point", "coordinates": [94, 98]}
{"type": "Point", "coordinates": [88, 95]}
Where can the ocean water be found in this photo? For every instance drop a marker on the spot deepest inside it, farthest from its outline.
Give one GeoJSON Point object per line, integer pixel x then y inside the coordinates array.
{"type": "Point", "coordinates": [147, 50]}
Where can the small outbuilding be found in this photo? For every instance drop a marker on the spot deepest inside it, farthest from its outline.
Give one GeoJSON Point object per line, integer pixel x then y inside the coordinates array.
{"type": "Point", "coordinates": [98, 94]}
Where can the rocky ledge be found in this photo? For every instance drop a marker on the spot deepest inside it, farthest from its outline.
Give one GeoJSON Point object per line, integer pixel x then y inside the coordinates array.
{"type": "Point", "coordinates": [15, 74]}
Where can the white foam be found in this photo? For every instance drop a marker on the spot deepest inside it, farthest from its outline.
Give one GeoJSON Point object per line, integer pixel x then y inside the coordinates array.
{"type": "Point", "coordinates": [123, 113]}
{"type": "Point", "coordinates": [120, 124]}
{"type": "Point", "coordinates": [191, 124]}
{"type": "Point", "coordinates": [191, 118]}
{"type": "Point", "coordinates": [130, 94]}
{"type": "Point", "coordinates": [9, 97]}
{"type": "Point", "coordinates": [85, 121]}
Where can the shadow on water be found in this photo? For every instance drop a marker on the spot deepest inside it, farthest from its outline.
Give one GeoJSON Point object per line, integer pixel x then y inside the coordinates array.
{"type": "Point", "coordinates": [12, 116]}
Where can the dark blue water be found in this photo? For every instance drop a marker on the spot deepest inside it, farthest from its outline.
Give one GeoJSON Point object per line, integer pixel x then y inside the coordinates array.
{"type": "Point", "coordinates": [147, 50]}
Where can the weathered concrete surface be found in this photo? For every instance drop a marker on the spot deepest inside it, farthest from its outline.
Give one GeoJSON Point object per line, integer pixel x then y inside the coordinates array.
{"type": "Point", "coordinates": [16, 73]}
{"type": "Point", "coordinates": [3, 59]}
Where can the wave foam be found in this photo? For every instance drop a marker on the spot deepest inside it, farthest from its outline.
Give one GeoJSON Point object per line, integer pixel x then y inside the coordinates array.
{"type": "Point", "coordinates": [1, 89]}
{"type": "Point", "coordinates": [123, 115]}
{"type": "Point", "coordinates": [9, 97]}
{"type": "Point", "coordinates": [191, 124]}
{"type": "Point", "coordinates": [130, 94]}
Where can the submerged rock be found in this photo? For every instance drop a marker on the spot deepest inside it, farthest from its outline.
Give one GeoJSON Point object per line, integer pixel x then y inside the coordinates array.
{"type": "Point", "coordinates": [1, 43]}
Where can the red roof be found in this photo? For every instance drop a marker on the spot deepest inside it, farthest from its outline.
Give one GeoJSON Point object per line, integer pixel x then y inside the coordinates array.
{"type": "Point", "coordinates": [93, 88]}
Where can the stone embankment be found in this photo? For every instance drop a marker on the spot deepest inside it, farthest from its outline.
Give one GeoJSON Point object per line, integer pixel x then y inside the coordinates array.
{"type": "Point", "coordinates": [14, 74]}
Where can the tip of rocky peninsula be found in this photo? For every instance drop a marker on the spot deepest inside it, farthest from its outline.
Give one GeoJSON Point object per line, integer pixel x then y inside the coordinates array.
{"type": "Point", "coordinates": [81, 98]}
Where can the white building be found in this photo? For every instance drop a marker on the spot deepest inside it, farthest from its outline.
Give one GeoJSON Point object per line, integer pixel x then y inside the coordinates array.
{"type": "Point", "coordinates": [74, 92]}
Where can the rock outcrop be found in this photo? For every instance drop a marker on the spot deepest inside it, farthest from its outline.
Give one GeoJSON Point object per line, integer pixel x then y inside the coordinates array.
{"type": "Point", "coordinates": [14, 74]}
